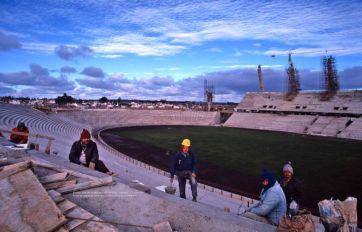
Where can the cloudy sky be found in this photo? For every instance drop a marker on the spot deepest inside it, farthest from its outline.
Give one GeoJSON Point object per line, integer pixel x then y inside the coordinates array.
{"type": "Point", "coordinates": [166, 49]}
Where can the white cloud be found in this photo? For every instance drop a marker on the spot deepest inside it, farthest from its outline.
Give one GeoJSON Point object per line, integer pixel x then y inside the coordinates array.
{"type": "Point", "coordinates": [136, 44]}
{"type": "Point", "coordinates": [111, 56]}
{"type": "Point", "coordinates": [317, 52]}
{"type": "Point", "coordinates": [309, 52]}
{"type": "Point", "coordinates": [161, 28]}
{"type": "Point", "coordinates": [245, 66]}
{"type": "Point", "coordinates": [42, 47]}
{"type": "Point", "coordinates": [215, 50]}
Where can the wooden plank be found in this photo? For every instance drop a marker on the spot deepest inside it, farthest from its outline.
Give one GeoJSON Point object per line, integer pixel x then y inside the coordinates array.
{"type": "Point", "coordinates": [62, 229]}
{"type": "Point", "coordinates": [86, 185]}
{"type": "Point", "coordinates": [58, 169]}
{"type": "Point", "coordinates": [57, 185]}
{"type": "Point", "coordinates": [16, 165]}
{"type": "Point", "coordinates": [88, 226]}
{"type": "Point", "coordinates": [12, 169]}
{"type": "Point", "coordinates": [57, 197]}
{"type": "Point", "coordinates": [53, 178]}
{"type": "Point", "coordinates": [26, 206]}
{"type": "Point", "coordinates": [66, 205]}
{"type": "Point", "coordinates": [27, 134]}
{"type": "Point", "coordinates": [3, 161]}
{"type": "Point", "coordinates": [79, 213]}
{"type": "Point", "coordinates": [162, 227]}
{"type": "Point", "coordinates": [93, 226]}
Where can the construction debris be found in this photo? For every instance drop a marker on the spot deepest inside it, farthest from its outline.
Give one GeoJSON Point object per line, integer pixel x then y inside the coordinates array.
{"type": "Point", "coordinates": [162, 227]}
{"type": "Point", "coordinates": [26, 206]}
{"type": "Point", "coordinates": [86, 185]}
{"type": "Point", "coordinates": [24, 203]}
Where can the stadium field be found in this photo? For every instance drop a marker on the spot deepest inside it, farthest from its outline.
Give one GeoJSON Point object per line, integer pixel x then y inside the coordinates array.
{"type": "Point", "coordinates": [327, 167]}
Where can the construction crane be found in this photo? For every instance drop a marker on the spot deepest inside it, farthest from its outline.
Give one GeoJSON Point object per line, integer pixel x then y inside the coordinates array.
{"type": "Point", "coordinates": [209, 94]}
{"type": "Point", "coordinates": [330, 79]}
{"type": "Point", "coordinates": [261, 83]}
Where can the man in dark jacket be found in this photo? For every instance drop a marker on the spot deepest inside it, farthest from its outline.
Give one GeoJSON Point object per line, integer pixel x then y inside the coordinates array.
{"type": "Point", "coordinates": [184, 166]}
{"type": "Point", "coordinates": [290, 185]}
{"type": "Point", "coordinates": [85, 152]}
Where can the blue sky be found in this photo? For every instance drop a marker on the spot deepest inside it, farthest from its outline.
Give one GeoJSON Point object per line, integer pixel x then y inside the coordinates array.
{"type": "Point", "coordinates": [165, 49]}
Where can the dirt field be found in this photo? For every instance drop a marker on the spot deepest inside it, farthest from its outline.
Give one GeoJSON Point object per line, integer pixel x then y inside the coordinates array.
{"type": "Point", "coordinates": [338, 158]}
{"type": "Point", "coordinates": [208, 173]}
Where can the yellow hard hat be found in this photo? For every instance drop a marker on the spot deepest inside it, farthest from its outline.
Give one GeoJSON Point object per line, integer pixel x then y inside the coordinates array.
{"type": "Point", "coordinates": [186, 142]}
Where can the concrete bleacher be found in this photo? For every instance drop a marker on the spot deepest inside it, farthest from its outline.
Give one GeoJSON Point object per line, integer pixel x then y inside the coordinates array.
{"type": "Point", "coordinates": [305, 114]}
{"type": "Point", "coordinates": [264, 121]}
{"type": "Point", "coordinates": [65, 130]}
{"type": "Point", "coordinates": [124, 117]}
{"type": "Point", "coordinates": [39, 123]}
{"type": "Point", "coordinates": [66, 127]}
{"type": "Point", "coordinates": [342, 103]}
{"type": "Point", "coordinates": [353, 131]}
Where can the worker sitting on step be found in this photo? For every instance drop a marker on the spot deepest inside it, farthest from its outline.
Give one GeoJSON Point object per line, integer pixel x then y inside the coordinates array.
{"type": "Point", "coordinates": [85, 152]}
{"type": "Point", "coordinates": [19, 139]}
{"type": "Point", "coordinates": [272, 205]}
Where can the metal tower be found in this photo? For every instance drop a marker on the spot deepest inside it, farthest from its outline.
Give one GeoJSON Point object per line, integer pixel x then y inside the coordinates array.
{"type": "Point", "coordinates": [293, 80]}
{"type": "Point", "coordinates": [329, 77]}
{"type": "Point", "coordinates": [261, 83]}
{"type": "Point", "coordinates": [209, 94]}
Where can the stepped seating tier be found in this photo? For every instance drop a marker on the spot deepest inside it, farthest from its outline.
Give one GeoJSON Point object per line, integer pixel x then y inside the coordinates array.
{"type": "Point", "coordinates": [340, 116]}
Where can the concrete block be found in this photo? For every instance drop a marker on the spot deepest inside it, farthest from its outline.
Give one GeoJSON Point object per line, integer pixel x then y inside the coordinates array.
{"type": "Point", "coordinates": [226, 194]}
{"type": "Point", "coordinates": [162, 227]}
{"type": "Point", "coordinates": [141, 187]}
{"type": "Point", "coordinates": [209, 188]}
{"type": "Point", "coordinates": [218, 191]}
{"type": "Point", "coordinates": [236, 196]}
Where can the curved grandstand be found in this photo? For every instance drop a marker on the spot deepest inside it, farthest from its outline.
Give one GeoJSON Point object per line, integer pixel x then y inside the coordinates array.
{"type": "Point", "coordinates": [306, 114]}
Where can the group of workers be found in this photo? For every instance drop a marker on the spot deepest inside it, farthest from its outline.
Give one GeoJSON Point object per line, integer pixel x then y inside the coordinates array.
{"type": "Point", "coordinates": [275, 196]}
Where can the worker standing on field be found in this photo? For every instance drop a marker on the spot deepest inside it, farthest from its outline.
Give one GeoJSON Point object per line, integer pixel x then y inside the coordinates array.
{"type": "Point", "coordinates": [184, 166]}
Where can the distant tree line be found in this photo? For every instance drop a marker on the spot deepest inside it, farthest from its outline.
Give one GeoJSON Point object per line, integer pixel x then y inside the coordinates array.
{"type": "Point", "coordinates": [65, 99]}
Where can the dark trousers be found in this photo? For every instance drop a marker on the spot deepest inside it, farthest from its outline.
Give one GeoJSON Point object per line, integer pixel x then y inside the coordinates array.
{"type": "Point", "coordinates": [182, 176]}
{"type": "Point", "coordinates": [101, 167]}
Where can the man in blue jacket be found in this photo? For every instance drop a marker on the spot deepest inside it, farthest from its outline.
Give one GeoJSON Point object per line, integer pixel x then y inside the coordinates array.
{"type": "Point", "coordinates": [272, 205]}
{"type": "Point", "coordinates": [184, 166]}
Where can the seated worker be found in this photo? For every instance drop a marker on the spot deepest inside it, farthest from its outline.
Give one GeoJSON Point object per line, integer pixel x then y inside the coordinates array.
{"type": "Point", "coordinates": [19, 139]}
{"type": "Point", "coordinates": [184, 166]}
{"type": "Point", "coordinates": [272, 205]}
{"type": "Point", "coordinates": [290, 185]}
{"type": "Point", "coordinates": [85, 152]}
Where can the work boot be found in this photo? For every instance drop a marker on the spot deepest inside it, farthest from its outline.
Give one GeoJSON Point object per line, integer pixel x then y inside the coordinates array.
{"type": "Point", "coordinates": [183, 196]}
{"type": "Point", "coordinates": [194, 199]}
